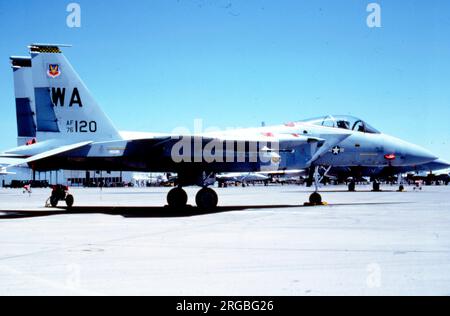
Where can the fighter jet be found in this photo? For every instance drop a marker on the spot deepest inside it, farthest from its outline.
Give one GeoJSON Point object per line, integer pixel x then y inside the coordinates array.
{"type": "Point", "coordinates": [242, 177]}
{"type": "Point", "coordinates": [370, 153]}
{"type": "Point", "coordinates": [367, 153]}
{"type": "Point", "coordinates": [377, 173]}
{"type": "Point", "coordinates": [73, 133]}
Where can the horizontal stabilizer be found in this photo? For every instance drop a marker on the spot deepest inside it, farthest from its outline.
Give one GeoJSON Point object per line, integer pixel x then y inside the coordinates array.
{"type": "Point", "coordinates": [6, 162]}
{"type": "Point", "coordinates": [46, 154]}
{"type": "Point", "coordinates": [5, 173]}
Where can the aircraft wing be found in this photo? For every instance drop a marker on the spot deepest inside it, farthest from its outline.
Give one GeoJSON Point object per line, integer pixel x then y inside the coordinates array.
{"type": "Point", "coordinates": [283, 140]}
{"type": "Point", "coordinates": [6, 162]}
{"type": "Point", "coordinates": [280, 142]}
{"type": "Point", "coordinates": [234, 152]}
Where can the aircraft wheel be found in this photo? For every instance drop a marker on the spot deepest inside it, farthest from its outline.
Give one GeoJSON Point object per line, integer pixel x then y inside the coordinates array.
{"type": "Point", "coordinates": [352, 186]}
{"type": "Point", "coordinates": [206, 199]}
{"type": "Point", "coordinates": [401, 188]}
{"type": "Point", "coordinates": [177, 198]}
{"type": "Point", "coordinates": [376, 186]}
{"type": "Point", "coordinates": [315, 199]}
{"type": "Point", "coordinates": [69, 200]}
{"type": "Point", "coordinates": [54, 201]}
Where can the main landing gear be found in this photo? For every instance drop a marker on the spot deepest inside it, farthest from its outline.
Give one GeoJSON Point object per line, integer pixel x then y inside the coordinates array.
{"type": "Point", "coordinates": [177, 198]}
{"type": "Point", "coordinates": [352, 186]}
{"type": "Point", "coordinates": [401, 187]}
{"type": "Point", "coordinates": [206, 199]}
{"type": "Point", "coordinates": [376, 186]}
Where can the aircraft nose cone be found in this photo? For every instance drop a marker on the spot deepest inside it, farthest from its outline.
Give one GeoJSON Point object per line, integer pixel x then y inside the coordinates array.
{"type": "Point", "coordinates": [402, 153]}
{"type": "Point", "coordinates": [417, 155]}
{"type": "Point", "coordinates": [439, 164]}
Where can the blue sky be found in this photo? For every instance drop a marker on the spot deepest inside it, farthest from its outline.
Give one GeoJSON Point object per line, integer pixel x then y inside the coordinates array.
{"type": "Point", "coordinates": [159, 64]}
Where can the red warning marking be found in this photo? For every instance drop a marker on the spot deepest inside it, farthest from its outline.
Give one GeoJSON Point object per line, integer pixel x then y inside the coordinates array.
{"type": "Point", "coordinates": [390, 157]}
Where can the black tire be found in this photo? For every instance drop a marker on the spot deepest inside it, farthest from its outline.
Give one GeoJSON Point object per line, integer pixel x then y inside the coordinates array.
{"type": "Point", "coordinates": [352, 186]}
{"type": "Point", "coordinates": [54, 201]}
{"type": "Point", "coordinates": [376, 186]}
{"type": "Point", "coordinates": [177, 198]}
{"type": "Point", "coordinates": [401, 188]}
{"type": "Point", "coordinates": [69, 200]}
{"type": "Point", "coordinates": [315, 199]}
{"type": "Point", "coordinates": [206, 199]}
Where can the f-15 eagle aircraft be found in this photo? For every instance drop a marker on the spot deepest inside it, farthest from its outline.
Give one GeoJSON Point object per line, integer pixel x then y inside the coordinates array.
{"type": "Point", "coordinates": [243, 178]}
{"type": "Point", "coordinates": [62, 127]}
{"type": "Point", "coordinates": [360, 155]}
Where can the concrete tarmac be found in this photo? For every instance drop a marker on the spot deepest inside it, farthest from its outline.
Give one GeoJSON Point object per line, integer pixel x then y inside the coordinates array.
{"type": "Point", "coordinates": [261, 241]}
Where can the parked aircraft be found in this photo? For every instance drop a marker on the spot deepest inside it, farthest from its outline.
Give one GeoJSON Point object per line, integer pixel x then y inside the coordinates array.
{"type": "Point", "coordinates": [430, 178]}
{"type": "Point", "coordinates": [365, 154]}
{"type": "Point", "coordinates": [377, 173]}
{"type": "Point", "coordinates": [242, 177]}
{"type": "Point", "coordinates": [72, 132]}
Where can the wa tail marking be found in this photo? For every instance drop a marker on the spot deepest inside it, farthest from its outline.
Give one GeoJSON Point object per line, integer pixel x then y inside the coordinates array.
{"type": "Point", "coordinates": [59, 97]}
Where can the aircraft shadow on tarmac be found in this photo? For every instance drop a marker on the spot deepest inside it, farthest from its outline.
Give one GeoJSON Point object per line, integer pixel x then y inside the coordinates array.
{"type": "Point", "coordinates": [154, 212]}
{"type": "Point", "coordinates": [353, 192]}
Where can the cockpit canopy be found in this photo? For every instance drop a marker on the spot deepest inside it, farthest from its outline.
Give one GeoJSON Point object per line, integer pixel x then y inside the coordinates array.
{"type": "Point", "coordinates": [343, 121]}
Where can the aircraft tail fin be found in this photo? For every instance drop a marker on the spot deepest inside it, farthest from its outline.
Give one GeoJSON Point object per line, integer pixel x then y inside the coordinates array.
{"type": "Point", "coordinates": [65, 109]}
{"type": "Point", "coordinates": [24, 96]}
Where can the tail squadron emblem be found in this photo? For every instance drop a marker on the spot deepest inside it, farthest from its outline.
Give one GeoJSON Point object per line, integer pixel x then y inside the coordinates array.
{"type": "Point", "coordinates": [53, 71]}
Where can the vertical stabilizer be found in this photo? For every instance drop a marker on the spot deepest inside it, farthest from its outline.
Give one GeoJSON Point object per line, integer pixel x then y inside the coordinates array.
{"type": "Point", "coordinates": [24, 96]}
{"type": "Point", "coordinates": [64, 106]}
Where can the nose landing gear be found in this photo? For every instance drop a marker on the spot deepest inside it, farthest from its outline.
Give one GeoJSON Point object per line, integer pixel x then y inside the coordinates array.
{"type": "Point", "coordinates": [315, 199]}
